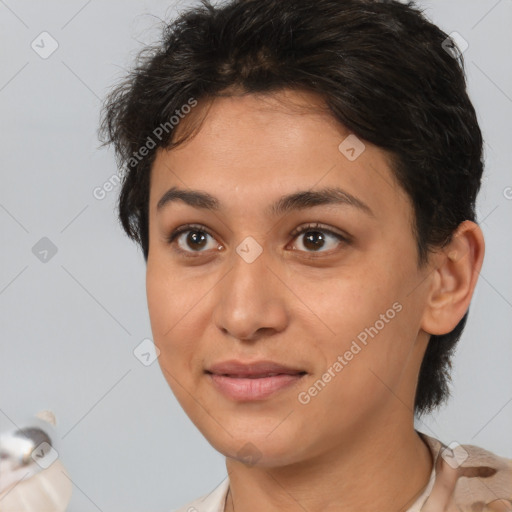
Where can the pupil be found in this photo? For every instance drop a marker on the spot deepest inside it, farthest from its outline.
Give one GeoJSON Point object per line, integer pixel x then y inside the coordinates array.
{"type": "Point", "coordinates": [314, 235]}
{"type": "Point", "coordinates": [198, 240]}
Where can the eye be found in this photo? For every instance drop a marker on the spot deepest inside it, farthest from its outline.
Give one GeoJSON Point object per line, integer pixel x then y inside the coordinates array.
{"type": "Point", "coordinates": [197, 239]}
{"type": "Point", "coordinates": [318, 238]}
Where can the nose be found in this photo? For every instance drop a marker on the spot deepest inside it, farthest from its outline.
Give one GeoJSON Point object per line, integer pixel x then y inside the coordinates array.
{"type": "Point", "coordinates": [251, 300]}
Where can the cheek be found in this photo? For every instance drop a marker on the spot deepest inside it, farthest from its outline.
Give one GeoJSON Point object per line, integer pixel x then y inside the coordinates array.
{"type": "Point", "coordinates": [162, 305]}
{"type": "Point", "coordinates": [168, 312]}
{"type": "Point", "coordinates": [347, 303]}
{"type": "Point", "coordinates": [170, 297]}
{"type": "Point", "coordinates": [365, 319]}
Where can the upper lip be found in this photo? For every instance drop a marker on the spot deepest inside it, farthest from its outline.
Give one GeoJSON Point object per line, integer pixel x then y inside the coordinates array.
{"type": "Point", "coordinates": [252, 369]}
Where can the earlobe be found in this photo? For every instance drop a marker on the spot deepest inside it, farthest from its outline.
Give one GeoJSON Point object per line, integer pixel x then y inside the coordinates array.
{"type": "Point", "coordinates": [455, 276]}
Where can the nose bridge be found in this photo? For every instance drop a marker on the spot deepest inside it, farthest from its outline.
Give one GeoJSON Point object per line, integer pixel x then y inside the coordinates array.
{"type": "Point", "coordinates": [248, 297]}
{"type": "Point", "coordinates": [250, 270]}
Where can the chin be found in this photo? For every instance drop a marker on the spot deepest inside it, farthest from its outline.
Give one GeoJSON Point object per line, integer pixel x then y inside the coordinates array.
{"type": "Point", "coordinates": [256, 449]}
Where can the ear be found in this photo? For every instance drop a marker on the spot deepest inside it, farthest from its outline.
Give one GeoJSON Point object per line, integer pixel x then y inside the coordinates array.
{"type": "Point", "coordinates": [456, 271]}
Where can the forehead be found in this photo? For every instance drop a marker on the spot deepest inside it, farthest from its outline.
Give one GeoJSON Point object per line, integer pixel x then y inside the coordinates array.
{"type": "Point", "coordinates": [259, 147]}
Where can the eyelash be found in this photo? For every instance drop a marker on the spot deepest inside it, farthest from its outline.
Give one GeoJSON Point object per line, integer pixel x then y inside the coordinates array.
{"type": "Point", "coordinates": [295, 234]}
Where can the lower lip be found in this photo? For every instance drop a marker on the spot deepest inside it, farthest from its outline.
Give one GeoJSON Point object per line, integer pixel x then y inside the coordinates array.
{"type": "Point", "coordinates": [240, 389]}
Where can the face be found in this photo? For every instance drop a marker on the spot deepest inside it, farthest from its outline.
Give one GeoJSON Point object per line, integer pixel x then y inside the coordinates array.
{"type": "Point", "coordinates": [290, 324]}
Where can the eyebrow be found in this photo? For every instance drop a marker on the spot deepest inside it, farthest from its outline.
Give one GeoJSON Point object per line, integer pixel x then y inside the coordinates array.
{"type": "Point", "coordinates": [296, 201]}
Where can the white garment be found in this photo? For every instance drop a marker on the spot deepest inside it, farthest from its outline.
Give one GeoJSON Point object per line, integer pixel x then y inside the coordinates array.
{"type": "Point", "coordinates": [212, 502]}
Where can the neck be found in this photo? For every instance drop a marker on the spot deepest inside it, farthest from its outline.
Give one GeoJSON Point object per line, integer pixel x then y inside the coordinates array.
{"type": "Point", "coordinates": [386, 469]}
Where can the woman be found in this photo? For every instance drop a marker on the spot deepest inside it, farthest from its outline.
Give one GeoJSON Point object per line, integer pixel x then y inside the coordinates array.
{"type": "Point", "coordinates": [301, 177]}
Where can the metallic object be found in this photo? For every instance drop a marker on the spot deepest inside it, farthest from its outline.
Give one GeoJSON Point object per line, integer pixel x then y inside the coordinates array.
{"type": "Point", "coordinates": [19, 453]}
{"type": "Point", "coordinates": [32, 477]}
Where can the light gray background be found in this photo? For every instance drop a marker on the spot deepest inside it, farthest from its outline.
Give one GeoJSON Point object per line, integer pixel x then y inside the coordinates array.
{"type": "Point", "coordinates": [69, 326]}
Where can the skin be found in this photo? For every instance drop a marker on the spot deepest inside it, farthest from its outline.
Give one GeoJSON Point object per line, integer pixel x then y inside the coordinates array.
{"type": "Point", "coordinates": [353, 446]}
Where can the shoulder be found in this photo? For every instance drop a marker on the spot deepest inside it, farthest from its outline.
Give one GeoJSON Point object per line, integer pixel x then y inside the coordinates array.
{"type": "Point", "coordinates": [212, 502]}
{"type": "Point", "coordinates": [470, 478]}
{"type": "Point", "coordinates": [488, 481]}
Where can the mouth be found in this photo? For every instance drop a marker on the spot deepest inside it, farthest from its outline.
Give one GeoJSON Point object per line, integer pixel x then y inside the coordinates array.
{"type": "Point", "coordinates": [252, 381]}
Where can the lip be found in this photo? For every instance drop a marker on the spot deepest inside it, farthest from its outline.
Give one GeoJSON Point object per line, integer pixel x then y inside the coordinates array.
{"type": "Point", "coordinates": [252, 381]}
{"type": "Point", "coordinates": [234, 368]}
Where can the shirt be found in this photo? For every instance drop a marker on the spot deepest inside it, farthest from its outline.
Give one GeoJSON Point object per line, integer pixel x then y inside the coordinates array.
{"type": "Point", "coordinates": [464, 478]}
